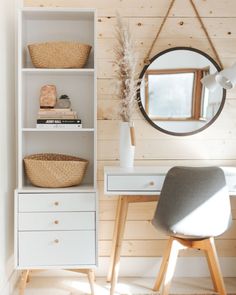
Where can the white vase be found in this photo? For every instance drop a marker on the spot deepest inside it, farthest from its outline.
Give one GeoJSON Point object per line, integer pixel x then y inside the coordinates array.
{"type": "Point", "coordinates": [126, 148]}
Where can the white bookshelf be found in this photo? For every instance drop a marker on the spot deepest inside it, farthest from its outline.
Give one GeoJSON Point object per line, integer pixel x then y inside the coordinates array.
{"type": "Point", "coordinates": [42, 25]}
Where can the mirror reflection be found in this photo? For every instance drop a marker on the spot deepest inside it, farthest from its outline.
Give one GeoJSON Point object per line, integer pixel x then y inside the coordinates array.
{"type": "Point", "coordinates": [173, 98]}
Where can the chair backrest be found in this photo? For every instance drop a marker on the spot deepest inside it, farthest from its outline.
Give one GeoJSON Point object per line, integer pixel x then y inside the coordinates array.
{"type": "Point", "coordinates": [194, 203]}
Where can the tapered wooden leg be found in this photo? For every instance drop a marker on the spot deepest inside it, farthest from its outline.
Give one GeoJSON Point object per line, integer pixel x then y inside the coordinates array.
{"type": "Point", "coordinates": [91, 279]}
{"type": "Point", "coordinates": [120, 234]}
{"type": "Point", "coordinates": [175, 247]}
{"type": "Point", "coordinates": [211, 271]}
{"type": "Point", "coordinates": [208, 245]}
{"type": "Point", "coordinates": [163, 266]}
{"type": "Point", "coordinates": [23, 281]}
{"type": "Point", "coordinates": [114, 240]}
{"type": "Point", "coordinates": [215, 266]}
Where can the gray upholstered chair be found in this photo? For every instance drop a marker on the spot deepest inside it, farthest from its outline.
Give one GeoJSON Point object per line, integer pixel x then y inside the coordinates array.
{"type": "Point", "coordinates": [194, 207]}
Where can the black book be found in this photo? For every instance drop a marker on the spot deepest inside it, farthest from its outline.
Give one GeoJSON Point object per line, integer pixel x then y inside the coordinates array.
{"type": "Point", "coordinates": [59, 121]}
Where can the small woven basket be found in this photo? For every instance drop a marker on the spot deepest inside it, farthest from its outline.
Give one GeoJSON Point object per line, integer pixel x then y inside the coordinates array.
{"type": "Point", "coordinates": [54, 170]}
{"type": "Point", "coordinates": [61, 54]}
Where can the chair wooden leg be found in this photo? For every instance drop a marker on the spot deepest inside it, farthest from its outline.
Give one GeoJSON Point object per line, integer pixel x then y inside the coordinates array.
{"type": "Point", "coordinates": [23, 281]}
{"type": "Point", "coordinates": [211, 271]}
{"type": "Point", "coordinates": [208, 245]}
{"type": "Point", "coordinates": [215, 266]}
{"type": "Point", "coordinates": [163, 266]}
{"type": "Point", "coordinates": [175, 247]}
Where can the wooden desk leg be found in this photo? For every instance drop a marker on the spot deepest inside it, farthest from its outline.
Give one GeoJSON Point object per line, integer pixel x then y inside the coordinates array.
{"type": "Point", "coordinates": [114, 240]}
{"type": "Point", "coordinates": [91, 278]}
{"type": "Point", "coordinates": [120, 233]}
{"type": "Point", "coordinates": [23, 281]}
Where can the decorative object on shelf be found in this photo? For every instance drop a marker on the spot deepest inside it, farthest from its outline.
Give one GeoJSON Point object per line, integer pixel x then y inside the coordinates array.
{"type": "Point", "coordinates": [57, 114]}
{"type": "Point", "coordinates": [126, 63]}
{"type": "Point", "coordinates": [63, 102]}
{"type": "Point", "coordinates": [55, 170]}
{"type": "Point", "coordinates": [60, 54]}
{"type": "Point", "coordinates": [48, 96]}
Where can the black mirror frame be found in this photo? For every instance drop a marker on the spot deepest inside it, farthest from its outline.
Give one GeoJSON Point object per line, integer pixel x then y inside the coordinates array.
{"type": "Point", "coordinates": [180, 133]}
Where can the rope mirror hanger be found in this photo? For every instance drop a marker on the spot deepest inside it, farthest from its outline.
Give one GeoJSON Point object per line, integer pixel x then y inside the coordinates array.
{"type": "Point", "coordinates": [147, 58]}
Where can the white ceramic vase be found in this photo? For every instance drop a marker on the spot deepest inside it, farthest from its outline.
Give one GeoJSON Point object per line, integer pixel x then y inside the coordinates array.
{"type": "Point", "coordinates": [126, 148]}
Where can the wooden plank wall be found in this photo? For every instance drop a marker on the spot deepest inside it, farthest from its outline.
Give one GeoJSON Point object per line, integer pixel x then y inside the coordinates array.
{"type": "Point", "coordinates": [214, 146]}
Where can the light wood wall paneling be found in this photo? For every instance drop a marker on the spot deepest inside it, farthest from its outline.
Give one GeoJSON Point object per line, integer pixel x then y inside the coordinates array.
{"type": "Point", "coordinates": [146, 28]}
{"type": "Point", "coordinates": [138, 211]}
{"type": "Point", "coordinates": [173, 149]}
{"type": "Point", "coordinates": [154, 248]}
{"type": "Point", "coordinates": [106, 68]}
{"type": "Point", "coordinates": [106, 46]}
{"type": "Point", "coordinates": [143, 8]}
{"type": "Point", "coordinates": [146, 231]}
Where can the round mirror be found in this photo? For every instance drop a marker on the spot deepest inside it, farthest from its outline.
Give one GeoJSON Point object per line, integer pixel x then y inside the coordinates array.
{"type": "Point", "coordinates": [172, 97]}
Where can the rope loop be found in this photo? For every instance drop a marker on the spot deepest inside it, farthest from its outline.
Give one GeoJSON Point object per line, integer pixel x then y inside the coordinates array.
{"type": "Point", "coordinates": [147, 58]}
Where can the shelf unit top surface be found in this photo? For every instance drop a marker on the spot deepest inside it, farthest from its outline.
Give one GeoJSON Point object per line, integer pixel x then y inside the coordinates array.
{"type": "Point", "coordinates": [58, 13]}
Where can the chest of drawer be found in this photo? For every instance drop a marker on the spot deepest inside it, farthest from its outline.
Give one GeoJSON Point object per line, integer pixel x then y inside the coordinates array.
{"type": "Point", "coordinates": [134, 183]}
{"type": "Point", "coordinates": [56, 248]}
{"type": "Point", "coordinates": [56, 221]}
{"type": "Point", "coordinates": [56, 202]}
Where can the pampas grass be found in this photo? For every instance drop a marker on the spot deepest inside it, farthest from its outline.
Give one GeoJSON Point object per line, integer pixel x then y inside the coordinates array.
{"type": "Point", "coordinates": [126, 61]}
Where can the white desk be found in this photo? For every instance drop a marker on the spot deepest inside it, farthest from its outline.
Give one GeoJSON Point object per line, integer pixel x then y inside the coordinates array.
{"type": "Point", "coordinates": [138, 184]}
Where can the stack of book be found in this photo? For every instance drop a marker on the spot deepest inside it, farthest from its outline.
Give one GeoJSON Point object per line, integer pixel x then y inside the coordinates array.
{"type": "Point", "coordinates": [58, 118]}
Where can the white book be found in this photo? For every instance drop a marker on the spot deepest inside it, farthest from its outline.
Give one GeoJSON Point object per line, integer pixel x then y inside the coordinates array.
{"type": "Point", "coordinates": [59, 126]}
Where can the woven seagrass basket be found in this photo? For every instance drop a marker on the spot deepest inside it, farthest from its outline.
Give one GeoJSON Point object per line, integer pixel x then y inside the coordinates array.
{"type": "Point", "coordinates": [61, 54]}
{"type": "Point", "coordinates": [54, 170]}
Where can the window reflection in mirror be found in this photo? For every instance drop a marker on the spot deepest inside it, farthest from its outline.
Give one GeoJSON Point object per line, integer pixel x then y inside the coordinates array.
{"type": "Point", "coordinates": [175, 94]}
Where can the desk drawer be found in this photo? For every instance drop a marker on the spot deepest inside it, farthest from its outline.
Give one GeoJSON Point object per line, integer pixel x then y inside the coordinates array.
{"type": "Point", "coordinates": [231, 182]}
{"type": "Point", "coordinates": [134, 182]}
{"type": "Point", "coordinates": [57, 221]}
{"type": "Point", "coordinates": [57, 202]}
{"type": "Point", "coordinates": [56, 248]}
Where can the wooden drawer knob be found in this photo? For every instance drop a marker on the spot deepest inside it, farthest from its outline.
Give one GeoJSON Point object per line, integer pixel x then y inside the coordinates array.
{"type": "Point", "coordinates": [56, 222]}
{"type": "Point", "coordinates": [56, 241]}
{"type": "Point", "coordinates": [151, 183]}
{"type": "Point", "coordinates": [56, 203]}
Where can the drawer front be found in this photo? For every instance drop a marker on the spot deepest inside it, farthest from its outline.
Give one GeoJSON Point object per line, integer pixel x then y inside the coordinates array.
{"type": "Point", "coordinates": [56, 221]}
{"type": "Point", "coordinates": [57, 202]}
{"type": "Point", "coordinates": [56, 248]}
{"type": "Point", "coordinates": [135, 182]}
{"type": "Point", "coordinates": [231, 182]}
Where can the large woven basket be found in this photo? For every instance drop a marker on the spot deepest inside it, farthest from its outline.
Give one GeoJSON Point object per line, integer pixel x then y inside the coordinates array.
{"type": "Point", "coordinates": [54, 170]}
{"type": "Point", "coordinates": [59, 54]}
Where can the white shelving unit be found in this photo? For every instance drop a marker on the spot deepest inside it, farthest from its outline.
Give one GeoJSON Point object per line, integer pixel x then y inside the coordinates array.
{"type": "Point", "coordinates": [60, 223]}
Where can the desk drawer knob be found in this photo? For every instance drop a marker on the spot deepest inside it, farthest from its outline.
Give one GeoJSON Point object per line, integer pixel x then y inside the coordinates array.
{"type": "Point", "coordinates": [56, 221]}
{"type": "Point", "coordinates": [56, 203]}
{"type": "Point", "coordinates": [56, 241]}
{"type": "Point", "coordinates": [151, 183]}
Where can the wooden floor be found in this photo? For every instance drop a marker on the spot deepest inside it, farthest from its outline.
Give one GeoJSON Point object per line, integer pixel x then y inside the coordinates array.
{"type": "Point", "coordinates": [134, 286]}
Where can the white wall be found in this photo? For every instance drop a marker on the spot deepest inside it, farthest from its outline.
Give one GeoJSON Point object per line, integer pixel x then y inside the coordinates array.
{"type": "Point", "coordinates": [7, 139]}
